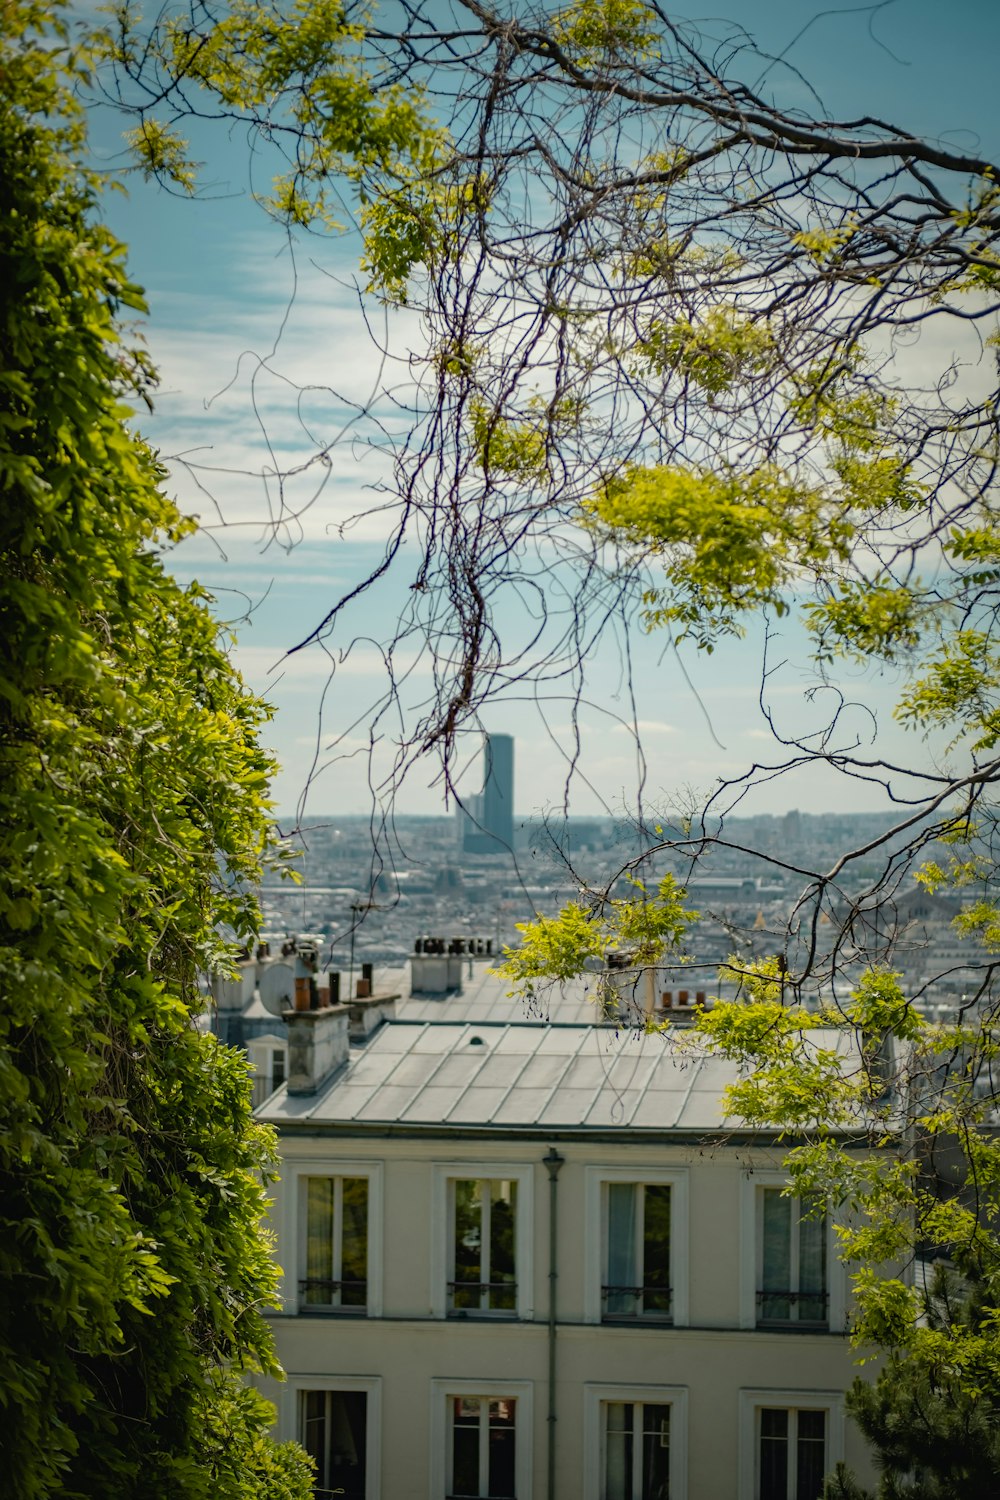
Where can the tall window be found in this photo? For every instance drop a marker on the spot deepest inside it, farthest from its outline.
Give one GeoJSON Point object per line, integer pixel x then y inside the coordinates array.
{"type": "Point", "coordinates": [483, 1269]}
{"type": "Point", "coordinates": [636, 1281]}
{"type": "Point", "coordinates": [333, 1428]}
{"type": "Point", "coordinates": [482, 1457]}
{"type": "Point", "coordinates": [791, 1453]}
{"type": "Point", "coordinates": [636, 1461]}
{"type": "Point", "coordinates": [336, 1260]}
{"type": "Point", "coordinates": [792, 1285]}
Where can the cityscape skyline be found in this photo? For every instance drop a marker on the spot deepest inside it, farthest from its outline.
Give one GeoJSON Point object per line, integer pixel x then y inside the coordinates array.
{"type": "Point", "coordinates": [260, 338]}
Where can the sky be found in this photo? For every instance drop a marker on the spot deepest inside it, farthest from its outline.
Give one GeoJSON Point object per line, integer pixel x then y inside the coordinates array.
{"type": "Point", "coordinates": [251, 374]}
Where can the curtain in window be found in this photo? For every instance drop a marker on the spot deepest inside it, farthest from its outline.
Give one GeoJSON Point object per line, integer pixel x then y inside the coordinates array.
{"type": "Point", "coordinates": [776, 1267]}
{"type": "Point", "coordinates": [618, 1439]}
{"type": "Point", "coordinates": [621, 1248]}
{"type": "Point", "coordinates": [333, 1433]}
{"type": "Point", "coordinates": [319, 1239]}
{"type": "Point", "coordinates": [812, 1264]}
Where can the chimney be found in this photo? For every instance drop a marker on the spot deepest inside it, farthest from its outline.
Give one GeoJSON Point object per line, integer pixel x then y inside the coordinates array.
{"type": "Point", "coordinates": [318, 1044]}
{"type": "Point", "coordinates": [234, 994]}
{"type": "Point", "coordinates": [437, 963]}
{"type": "Point", "coordinates": [370, 1006]}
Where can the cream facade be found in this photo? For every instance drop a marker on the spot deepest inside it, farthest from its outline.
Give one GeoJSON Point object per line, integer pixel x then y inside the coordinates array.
{"type": "Point", "coordinates": [504, 1279]}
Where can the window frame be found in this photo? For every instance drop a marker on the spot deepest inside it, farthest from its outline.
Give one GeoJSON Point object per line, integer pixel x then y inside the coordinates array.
{"type": "Point", "coordinates": [443, 1391]}
{"type": "Point", "coordinates": [290, 1405]}
{"type": "Point", "coordinates": [597, 1397]}
{"type": "Point", "coordinates": [261, 1053]}
{"type": "Point", "coordinates": [754, 1401]}
{"type": "Point", "coordinates": [597, 1180]}
{"type": "Point", "coordinates": [293, 1237]}
{"type": "Point", "coordinates": [442, 1234]}
{"type": "Point", "coordinates": [751, 1184]}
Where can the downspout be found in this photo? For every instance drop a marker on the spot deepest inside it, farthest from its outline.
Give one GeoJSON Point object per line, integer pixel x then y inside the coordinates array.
{"type": "Point", "coordinates": [553, 1162]}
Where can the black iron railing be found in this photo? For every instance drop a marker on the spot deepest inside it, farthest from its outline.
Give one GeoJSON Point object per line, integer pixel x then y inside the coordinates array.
{"type": "Point", "coordinates": [483, 1292]}
{"type": "Point", "coordinates": [326, 1284]}
{"type": "Point", "coordinates": [660, 1299]}
{"type": "Point", "coordinates": [803, 1307]}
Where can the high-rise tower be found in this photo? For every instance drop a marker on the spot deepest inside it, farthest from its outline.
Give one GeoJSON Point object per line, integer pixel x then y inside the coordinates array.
{"type": "Point", "coordinates": [488, 826]}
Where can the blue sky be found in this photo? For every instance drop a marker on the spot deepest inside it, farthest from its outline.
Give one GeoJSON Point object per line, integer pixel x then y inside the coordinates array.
{"type": "Point", "coordinates": [234, 352]}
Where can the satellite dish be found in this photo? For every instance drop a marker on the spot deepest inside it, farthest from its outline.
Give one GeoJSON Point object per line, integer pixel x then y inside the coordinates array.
{"type": "Point", "coordinates": [277, 986]}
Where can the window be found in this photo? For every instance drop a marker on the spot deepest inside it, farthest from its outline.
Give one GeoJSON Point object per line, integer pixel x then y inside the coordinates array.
{"type": "Point", "coordinates": [635, 1247]}
{"type": "Point", "coordinates": [635, 1442]}
{"type": "Point", "coordinates": [791, 1259]}
{"type": "Point", "coordinates": [482, 1276]}
{"type": "Point", "coordinates": [789, 1440]}
{"type": "Point", "coordinates": [266, 1055]}
{"type": "Point", "coordinates": [636, 1280]}
{"type": "Point", "coordinates": [336, 1244]}
{"type": "Point", "coordinates": [333, 1427]}
{"type": "Point", "coordinates": [790, 1276]}
{"type": "Point", "coordinates": [791, 1453]}
{"type": "Point", "coordinates": [481, 1440]}
{"type": "Point", "coordinates": [636, 1451]}
{"type": "Point", "coordinates": [481, 1250]}
{"type": "Point", "coordinates": [483, 1451]}
{"type": "Point", "coordinates": [337, 1419]}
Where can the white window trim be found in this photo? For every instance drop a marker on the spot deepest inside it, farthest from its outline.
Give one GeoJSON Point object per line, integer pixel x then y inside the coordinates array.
{"type": "Point", "coordinates": [372, 1387]}
{"type": "Point", "coordinates": [751, 1401]}
{"type": "Point", "coordinates": [520, 1391]}
{"type": "Point", "coordinates": [835, 1273]}
{"type": "Point", "coordinates": [594, 1397]}
{"type": "Point", "coordinates": [593, 1253]}
{"type": "Point", "coordinates": [523, 1173]}
{"type": "Point", "coordinates": [292, 1229]}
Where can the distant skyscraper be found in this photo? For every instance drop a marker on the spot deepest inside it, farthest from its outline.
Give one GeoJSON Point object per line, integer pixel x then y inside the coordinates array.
{"type": "Point", "coordinates": [488, 825]}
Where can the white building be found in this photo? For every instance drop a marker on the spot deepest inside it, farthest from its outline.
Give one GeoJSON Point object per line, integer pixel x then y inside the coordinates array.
{"type": "Point", "coordinates": [530, 1260]}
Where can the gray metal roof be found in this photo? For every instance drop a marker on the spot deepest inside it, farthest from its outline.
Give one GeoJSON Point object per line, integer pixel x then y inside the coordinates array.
{"type": "Point", "coordinates": [484, 997]}
{"type": "Point", "coordinates": [516, 1077]}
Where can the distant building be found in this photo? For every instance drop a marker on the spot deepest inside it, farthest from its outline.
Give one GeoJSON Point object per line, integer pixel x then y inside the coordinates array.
{"type": "Point", "coordinates": [486, 822]}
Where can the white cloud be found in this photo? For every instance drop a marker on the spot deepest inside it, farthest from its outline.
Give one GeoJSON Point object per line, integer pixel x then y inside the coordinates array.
{"type": "Point", "coordinates": [645, 727]}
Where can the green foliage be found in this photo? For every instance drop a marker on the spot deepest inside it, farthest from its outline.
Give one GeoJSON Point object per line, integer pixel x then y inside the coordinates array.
{"type": "Point", "coordinates": [823, 242]}
{"type": "Point", "coordinates": [521, 450]}
{"type": "Point", "coordinates": [596, 32]}
{"type": "Point", "coordinates": [730, 542]}
{"type": "Point", "coordinates": [722, 348]}
{"type": "Point", "coordinates": [959, 689]}
{"type": "Point", "coordinates": [134, 824]}
{"type": "Point", "coordinates": [932, 1415]}
{"type": "Point", "coordinates": [557, 948]}
{"type": "Point", "coordinates": [298, 74]}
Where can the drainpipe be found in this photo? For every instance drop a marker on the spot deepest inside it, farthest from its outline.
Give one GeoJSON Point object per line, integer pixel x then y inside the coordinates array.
{"type": "Point", "coordinates": [553, 1162]}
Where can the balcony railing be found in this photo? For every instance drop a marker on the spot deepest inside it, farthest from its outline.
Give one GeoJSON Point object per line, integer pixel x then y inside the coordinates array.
{"type": "Point", "coordinates": [804, 1309]}
{"type": "Point", "coordinates": [483, 1292]}
{"type": "Point", "coordinates": [652, 1302]}
{"type": "Point", "coordinates": [325, 1284]}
